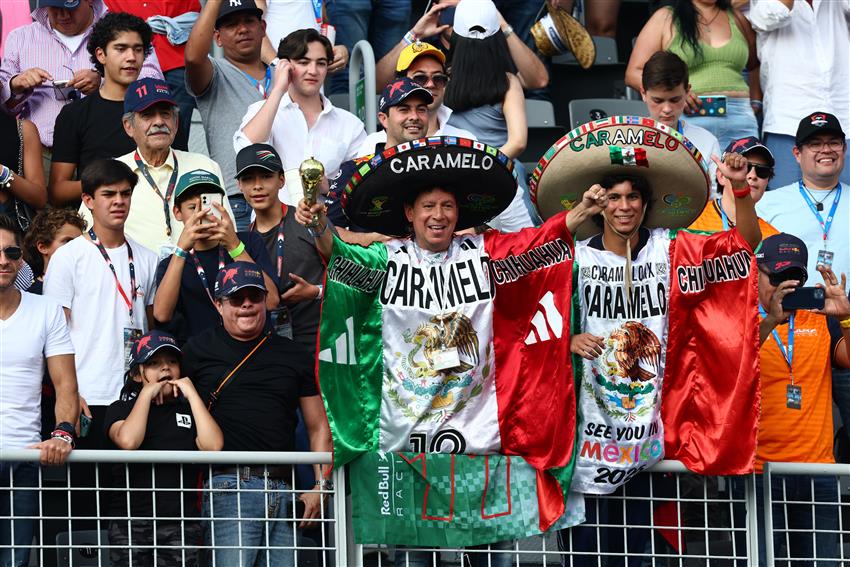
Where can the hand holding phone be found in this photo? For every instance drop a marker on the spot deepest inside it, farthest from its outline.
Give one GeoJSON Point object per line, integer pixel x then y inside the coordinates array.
{"type": "Point", "coordinates": [207, 200]}
{"type": "Point", "coordinates": [804, 298]}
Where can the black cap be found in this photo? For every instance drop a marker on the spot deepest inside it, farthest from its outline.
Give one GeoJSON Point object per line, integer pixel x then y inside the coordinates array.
{"type": "Point", "coordinates": [258, 155]}
{"type": "Point", "coordinates": [782, 252]}
{"type": "Point", "coordinates": [398, 90]}
{"type": "Point", "coordinates": [232, 6]}
{"type": "Point", "coordinates": [818, 123]}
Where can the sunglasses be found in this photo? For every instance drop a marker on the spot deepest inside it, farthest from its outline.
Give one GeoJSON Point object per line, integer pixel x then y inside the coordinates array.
{"type": "Point", "coordinates": [12, 252]}
{"type": "Point", "coordinates": [253, 295]}
{"type": "Point", "coordinates": [762, 171]}
{"type": "Point", "coordinates": [439, 80]}
{"type": "Point", "coordinates": [776, 279]}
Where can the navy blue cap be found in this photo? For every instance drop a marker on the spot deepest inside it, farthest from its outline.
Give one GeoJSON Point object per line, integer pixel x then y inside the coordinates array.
{"type": "Point", "coordinates": [66, 4]}
{"type": "Point", "coordinates": [782, 252]}
{"type": "Point", "coordinates": [745, 145]}
{"type": "Point", "coordinates": [398, 90]}
{"type": "Point", "coordinates": [145, 93]}
{"type": "Point", "coordinates": [232, 6]}
{"type": "Point", "coordinates": [236, 276]}
{"type": "Point", "coordinates": [150, 343]}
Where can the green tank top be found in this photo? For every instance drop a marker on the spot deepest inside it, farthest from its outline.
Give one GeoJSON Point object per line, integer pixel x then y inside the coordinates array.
{"type": "Point", "coordinates": [718, 69]}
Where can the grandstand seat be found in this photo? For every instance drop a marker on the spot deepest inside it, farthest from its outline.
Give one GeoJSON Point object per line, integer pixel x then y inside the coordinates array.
{"type": "Point", "coordinates": [539, 113]}
{"type": "Point", "coordinates": [85, 551]}
{"type": "Point", "coordinates": [540, 139]}
{"type": "Point", "coordinates": [339, 100]}
{"type": "Point", "coordinates": [569, 82]}
{"type": "Point", "coordinates": [606, 53]}
{"type": "Point", "coordinates": [585, 110]}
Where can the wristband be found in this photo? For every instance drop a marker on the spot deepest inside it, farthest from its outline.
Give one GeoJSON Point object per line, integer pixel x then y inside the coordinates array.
{"type": "Point", "coordinates": [508, 31]}
{"type": "Point", "coordinates": [317, 233]}
{"type": "Point", "coordinates": [6, 177]}
{"type": "Point", "coordinates": [61, 435]}
{"type": "Point", "coordinates": [741, 193]}
{"type": "Point", "coordinates": [409, 38]}
{"type": "Point", "coordinates": [845, 323]}
{"type": "Point", "coordinates": [321, 292]}
{"type": "Point", "coordinates": [236, 252]}
{"type": "Point", "coordinates": [180, 253]}
{"type": "Point", "coordinates": [758, 103]}
{"type": "Point", "coordinates": [67, 428]}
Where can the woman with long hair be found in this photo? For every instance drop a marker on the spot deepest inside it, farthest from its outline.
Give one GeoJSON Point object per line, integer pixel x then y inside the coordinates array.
{"type": "Point", "coordinates": [718, 44]}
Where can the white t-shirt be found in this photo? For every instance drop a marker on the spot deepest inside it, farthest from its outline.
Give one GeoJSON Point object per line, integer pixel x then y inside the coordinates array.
{"type": "Point", "coordinates": [37, 329]}
{"type": "Point", "coordinates": [285, 16]}
{"type": "Point", "coordinates": [707, 144]}
{"type": "Point", "coordinates": [80, 278]}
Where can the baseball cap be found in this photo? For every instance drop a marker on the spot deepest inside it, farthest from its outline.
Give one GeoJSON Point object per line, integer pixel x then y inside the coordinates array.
{"type": "Point", "coordinates": [236, 276]}
{"type": "Point", "coordinates": [197, 179]}
{"type": "Point", "coordinates": [148, 344]}
{"type": "Point", "coordinates": [144, 93]}
{"type": "Point", "coordinates": [476, 19]}
{"type": "Point", "coordinates": [398, 90]}
{"type": "Point", "coordinates": [817, 123]}
{"type": "Point", "coordinates": [782, 252]}
{"type": "Point", "coordinates": [66, 4]}
{"type": "Point", "coordinates": [233, 6]}
{"type": "Point", "coordinates": [258, 155]}
{"type": "Point", "coordinates": [744, 146]}
{"type": "Point", "coordinates": [415, 50]}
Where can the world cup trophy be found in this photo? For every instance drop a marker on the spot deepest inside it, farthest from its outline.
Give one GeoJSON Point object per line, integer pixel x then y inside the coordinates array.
{"type": "Point", "coordinates": [311, 172]}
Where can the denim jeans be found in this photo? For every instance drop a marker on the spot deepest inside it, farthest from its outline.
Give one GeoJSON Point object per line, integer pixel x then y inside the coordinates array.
{"type": "Point", "coordinates": [176, 79]}
{"type": "Point", "coordinates": [841, 394]}
{"type": "Point", "coordinates": [739, 122]}
{"type": "Point", "coordinates": [258, 501]}
{"type": "Point", "coordinates": [241, 212]}
{"type": "Point", "coordinates": [382, 22]}
{"type": "Point", "coordinates": [520, 15]}
{"type": "Point", "coordinates": [18, 503]}
{"type": "Point", "coordinates": [787, 169]}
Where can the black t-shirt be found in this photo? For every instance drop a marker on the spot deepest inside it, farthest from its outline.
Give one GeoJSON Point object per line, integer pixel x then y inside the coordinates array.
{"type": "Point", "coordinates": [193, 303]}
{"type": "Point", "coordinates": [88, 129]}
{"type": "Point", "coordinates": [300, 257]}
{"type": "Point", "coordinates": [256, 410]}
{"type": "Point", "coordinates": [170, 427]}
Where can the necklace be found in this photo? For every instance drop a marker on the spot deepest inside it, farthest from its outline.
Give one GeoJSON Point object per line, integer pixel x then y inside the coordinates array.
{"type": "Point", "coordinates": [819, 204]}
{"type": "Point", "coordinates": [706, 25]}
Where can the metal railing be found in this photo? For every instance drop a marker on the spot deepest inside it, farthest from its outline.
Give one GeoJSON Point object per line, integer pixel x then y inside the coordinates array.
{"type": "Point", "coordinates": [361, 91]}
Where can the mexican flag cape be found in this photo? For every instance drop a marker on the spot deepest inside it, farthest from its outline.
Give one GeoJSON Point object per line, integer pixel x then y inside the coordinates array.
{"type": "Point", "coordinates": [678, 376]}
{"type": "Point", "coordinates": [462, 352]}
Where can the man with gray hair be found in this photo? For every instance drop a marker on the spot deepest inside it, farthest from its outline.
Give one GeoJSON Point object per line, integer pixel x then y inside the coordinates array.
{"type": "Point", "coordinates": [150, 119]}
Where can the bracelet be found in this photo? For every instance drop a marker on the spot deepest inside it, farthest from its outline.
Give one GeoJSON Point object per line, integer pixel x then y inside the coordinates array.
{"type": "Point", "coordinates": [58, 434]}
{"type": "Point", "coordinates": [180, 253]}
{"type": "Point", "coordinates": [741, 193]}
{"type": "Point", "coordinates": [508, 31]}
{"type": "Point", "coordinates": [409, 38]}
{"type": "Point", "coordinates": [845, 323]}
{"type": "Point", "coordinates": [6, 177]}
{"type": "Point", "coordinates": [236, 252]}
{"type": "Point", "coordinates": [758, 103]}
{"type": "Point", "coordinates": [317, 233]}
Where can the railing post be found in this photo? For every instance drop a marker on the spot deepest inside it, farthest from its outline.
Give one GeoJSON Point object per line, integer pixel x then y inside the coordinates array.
{"type": "Point", "coordinates": [752, 519]}
{"type": "Point", "coordinates": [361, 91]}
{"type": "Point", "coordinates": [768, 516]}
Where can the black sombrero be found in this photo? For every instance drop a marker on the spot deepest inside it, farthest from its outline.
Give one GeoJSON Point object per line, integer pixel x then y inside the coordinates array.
{"type": "Point", "coordinates": [480, 176]}
{"type": "Point", "coordinates": [624, 145]}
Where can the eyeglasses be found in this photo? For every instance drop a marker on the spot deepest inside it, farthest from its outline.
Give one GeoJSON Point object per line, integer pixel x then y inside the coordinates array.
{"type": "Point", "coordinates": [762, 171]}
{"type": "Point", "coordinates": [252, 294]}
{"type": "Point", "coordinates": [12, 252]}
{"type": "Point", "coordinates": [818, 145]}
{"type": "Point", "coordinates": [438, 79]}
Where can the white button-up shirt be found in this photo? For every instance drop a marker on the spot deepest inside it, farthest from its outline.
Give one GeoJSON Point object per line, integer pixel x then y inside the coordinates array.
{"type": "Point", "coordinates": [805, 60]}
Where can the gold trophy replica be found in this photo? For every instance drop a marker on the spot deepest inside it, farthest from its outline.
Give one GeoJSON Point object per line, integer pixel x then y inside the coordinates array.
{"type": "Point", "coordinates": [311, 172]}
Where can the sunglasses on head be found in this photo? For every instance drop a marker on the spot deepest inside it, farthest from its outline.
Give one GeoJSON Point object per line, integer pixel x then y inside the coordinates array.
{"type": "Point", "coordinates": [762, 171]}
{"type": "Point", "coordinates": [438, 79]}
{"type": "Point", "coordinates": [12, 252]}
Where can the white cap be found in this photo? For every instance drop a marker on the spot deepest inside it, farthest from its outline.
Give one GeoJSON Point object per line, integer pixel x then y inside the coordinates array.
{"type": "Point", "coordinates": [477, 14]}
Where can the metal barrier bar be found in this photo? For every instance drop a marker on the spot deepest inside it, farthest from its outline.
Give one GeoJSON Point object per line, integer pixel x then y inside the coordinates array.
{"type": "Point", "coordinates": [361, 92]}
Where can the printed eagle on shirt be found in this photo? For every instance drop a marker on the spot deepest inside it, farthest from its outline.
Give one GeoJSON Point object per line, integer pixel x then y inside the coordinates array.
{"type": "Point", "coordinates": [637, 351]}
{"type": "Point", "coordinates": [448, 330]}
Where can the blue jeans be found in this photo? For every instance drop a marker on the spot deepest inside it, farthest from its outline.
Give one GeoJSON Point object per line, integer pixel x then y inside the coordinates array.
{"type": "Point", "coordinates": [258, 502]}
{"type": "Point", "coordinates": [841, 394]}
{"type": "Point", "coordinates": [787, 169]}
{"type": "Point", "coordinates": [382, 22]}
{"type": "Point", "coordinates": [521, 15]}
{"type": "Point", "coordinates": [739, 122]}
{"type": "Point", "coordinates": [241, 212]}
{"type": "Point", "coordinates": [176, 79]}
{"type": "Point", "coordinates": [18, 503]}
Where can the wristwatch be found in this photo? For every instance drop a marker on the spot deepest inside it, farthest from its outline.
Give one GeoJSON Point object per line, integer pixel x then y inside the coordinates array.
{"type": "Point", "coordinates": [508, 31]}
{"type": "Point", "coordinates": [325, 484]}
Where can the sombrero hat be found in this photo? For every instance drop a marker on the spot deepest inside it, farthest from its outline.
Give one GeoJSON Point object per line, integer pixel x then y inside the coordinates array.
{"type": "Point", "coordinates": [480, 176]}
{"type": "Point", "coordinates": [623, 145]}
{"type": "Point", "coordinates": [558, 32]}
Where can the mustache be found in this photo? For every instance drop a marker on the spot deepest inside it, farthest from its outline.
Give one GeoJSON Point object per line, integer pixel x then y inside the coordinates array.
{"type": "Point", "coordinates": [158, 130]}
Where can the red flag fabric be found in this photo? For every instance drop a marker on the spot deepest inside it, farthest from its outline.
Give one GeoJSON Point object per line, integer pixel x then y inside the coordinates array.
{"type": "Point", "coordinates": [711, 394]}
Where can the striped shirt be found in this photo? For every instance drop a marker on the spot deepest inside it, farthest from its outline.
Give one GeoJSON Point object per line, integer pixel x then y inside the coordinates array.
{"type": "Point", "coordinates": [37, 45]}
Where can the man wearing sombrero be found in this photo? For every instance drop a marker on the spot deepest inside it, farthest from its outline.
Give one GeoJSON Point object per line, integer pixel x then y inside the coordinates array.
{"type": "Point", "coordinates": [435, 342]}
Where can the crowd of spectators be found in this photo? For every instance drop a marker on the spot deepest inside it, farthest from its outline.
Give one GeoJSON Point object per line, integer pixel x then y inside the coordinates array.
{"type": "Point", "coordinates": [166, 264]}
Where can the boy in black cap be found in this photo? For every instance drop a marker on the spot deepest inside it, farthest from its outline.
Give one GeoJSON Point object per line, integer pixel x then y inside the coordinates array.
{"type": "Point", "coordinates": [158, 410]}
{"type": "Point", "coordinates": [207, 243]}
{"type": "Point", "coordinates": [297, 265]}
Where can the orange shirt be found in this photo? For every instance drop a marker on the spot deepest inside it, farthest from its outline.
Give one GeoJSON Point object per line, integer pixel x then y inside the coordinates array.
{"type": "Point", "coordinates": [711, 221]}
{"type": "Point", "coordinates": [797, 435]}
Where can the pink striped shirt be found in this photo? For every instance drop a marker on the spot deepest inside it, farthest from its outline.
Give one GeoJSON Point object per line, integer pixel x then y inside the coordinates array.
{"type": "Point", "coordinates": [37, 45]}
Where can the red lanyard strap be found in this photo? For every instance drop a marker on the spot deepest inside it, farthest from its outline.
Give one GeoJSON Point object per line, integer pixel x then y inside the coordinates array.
{"type": "Point", "coordinates": [280, 240]}
{"type": "Point", "coordinates": [172, 183]}
{"type": "Point", "coordinates": [127, 300]}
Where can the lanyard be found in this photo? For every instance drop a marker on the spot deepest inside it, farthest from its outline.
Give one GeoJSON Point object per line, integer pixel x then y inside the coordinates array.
{"type": "Point", "coordinates": [723, 218]}
{"type": "Point", "coordinates": [203, 275]}
{"type": "Point", "coordinates": [824, 225]}
{"type": "Point", "coordinates": [105, 255]}
{"type": "Point", "coordinates": [680, 128]}
{"type": "Point", "coordinates": [168, 191]}
{"type": "Point", "coordinates": [444, 295]}
{"type": "Point", "coordinates": [317, 11]}
{"type": "Point", "coordinates": [280, 239]}
{"type": "Point", "coordinates": [263, 87]}
{"type": "Point", "coordinates": [787, 353]}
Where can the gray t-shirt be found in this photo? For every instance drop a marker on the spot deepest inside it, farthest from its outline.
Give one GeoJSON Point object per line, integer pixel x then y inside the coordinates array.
{"type": "Point", "coordinates": [222, 107]}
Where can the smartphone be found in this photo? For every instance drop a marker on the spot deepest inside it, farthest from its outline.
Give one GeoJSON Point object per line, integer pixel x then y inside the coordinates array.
{"type": "Point", "coordinates": [804, 298]}
{"type": "Point", "coordinates": [85, 425]}
{"type": "Point", "coordinates": [207, 200]}
{"type": "Point", "coordinates": [447, 17]}
{"type": "Point", "coordinates": [714, 106]}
